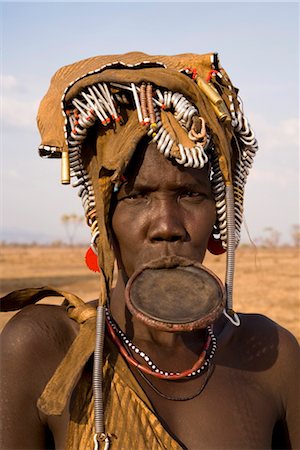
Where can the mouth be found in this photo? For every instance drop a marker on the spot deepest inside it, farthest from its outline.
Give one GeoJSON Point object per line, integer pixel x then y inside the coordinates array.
{"type": "Point", "coordinates": [174, 294]}
{"type": "Point", "coordinates": [161, 251]}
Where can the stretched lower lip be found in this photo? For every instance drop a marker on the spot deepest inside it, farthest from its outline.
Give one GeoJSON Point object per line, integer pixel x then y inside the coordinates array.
{"type": "Point", "coordinates": [175, 294]}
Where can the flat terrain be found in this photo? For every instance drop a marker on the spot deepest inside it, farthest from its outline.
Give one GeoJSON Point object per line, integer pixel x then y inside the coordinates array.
{"type": "Point", "coordinates": [267, 281]}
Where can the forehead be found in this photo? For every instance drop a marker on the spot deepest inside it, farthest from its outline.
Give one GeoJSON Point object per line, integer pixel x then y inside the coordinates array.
{"type": "Point", "coordinates": [149, 166]}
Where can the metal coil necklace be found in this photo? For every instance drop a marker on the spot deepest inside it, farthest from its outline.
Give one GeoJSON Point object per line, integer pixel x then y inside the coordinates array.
{"type": "Point", "coordinates": [122, 341]}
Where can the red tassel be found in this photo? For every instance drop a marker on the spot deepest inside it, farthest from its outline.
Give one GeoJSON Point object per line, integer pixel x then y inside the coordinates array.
{"type": "Point", "coordinates": [91, 260]}
{"type": "Point", "coordinates": [215, 246]}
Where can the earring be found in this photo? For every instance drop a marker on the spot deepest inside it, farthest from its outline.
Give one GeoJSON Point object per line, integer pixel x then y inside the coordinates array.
{"type": "Point", "coordinates": [214, 245]}
{"type": "Point", "coordinates": [91, 260]}
{"type": "Point", "coordinates": [91, 256]}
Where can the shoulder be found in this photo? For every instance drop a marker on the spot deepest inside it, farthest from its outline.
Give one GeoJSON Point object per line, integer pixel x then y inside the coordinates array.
{"type": "Point", "coordinates": [266, 347]}
{"type": "Point", "coordinates": [262, 331]}
{"type": "Point", "coordinates": [37, 325]}
{"type": "Point", "coordinates": [260, 344]}
{"type": "Point", "coordinates": [277, 353]}
{"type": "Point", "coordinates": [34, 341]}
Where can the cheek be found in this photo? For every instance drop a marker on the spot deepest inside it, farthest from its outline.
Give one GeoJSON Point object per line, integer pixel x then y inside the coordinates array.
{"type": "Point", "coordinates": [124, 223]}
{"type": "Point", "coordinates": [211, 215]}
{"type": "Point", "coordinates": [201, 222]}
{"type": "Point", "coordinates": [117, 225]}
{"type": "Point", "coordinates": [200, 228]}
{"type": "Point", "coordinates": [126, 236]}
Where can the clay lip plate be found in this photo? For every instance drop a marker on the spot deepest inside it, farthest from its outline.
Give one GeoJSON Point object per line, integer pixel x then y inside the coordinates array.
{"type": "Point", "coordinates": [175, 293]}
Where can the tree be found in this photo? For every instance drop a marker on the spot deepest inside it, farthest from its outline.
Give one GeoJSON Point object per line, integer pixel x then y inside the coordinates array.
{"type": "Point", "coordinates": [71, 223]}
{"type": "Point", "coordinates": [272, 238]}
{"type": "Point", "coordinates": [295, 233]}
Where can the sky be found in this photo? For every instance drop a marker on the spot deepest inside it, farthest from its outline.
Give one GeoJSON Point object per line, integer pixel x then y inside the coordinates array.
{"type": "Point", "coordinates": [258, 45]}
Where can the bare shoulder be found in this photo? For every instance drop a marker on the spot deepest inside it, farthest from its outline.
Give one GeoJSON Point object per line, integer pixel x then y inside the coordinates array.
{"type": "Point", "coordinates": [264, 332]}
{"type": "Point", "coordinates": [33, 343]}
{"type": "Point", "coordinates": [35, 340]}
{"type": "Point", "coordinates": [259, 344]}
{"type": "Point", "coordinates": [274, 353]}
{"type": "Point", "coordinates": [266, 347]}
{"type": "Point", "coordinates": [36, 326]}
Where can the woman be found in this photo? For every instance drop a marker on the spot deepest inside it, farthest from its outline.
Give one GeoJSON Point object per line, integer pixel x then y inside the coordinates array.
{"type": "Point", "coordinates": [160, 150]}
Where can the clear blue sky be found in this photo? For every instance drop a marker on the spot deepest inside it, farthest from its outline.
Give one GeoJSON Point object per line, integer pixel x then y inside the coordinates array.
{"type": "Point", "coordinates": [258, 44]}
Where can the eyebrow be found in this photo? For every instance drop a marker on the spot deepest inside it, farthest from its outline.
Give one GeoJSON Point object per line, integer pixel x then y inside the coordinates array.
{"type": "Point", "coordinates": [148, 187]}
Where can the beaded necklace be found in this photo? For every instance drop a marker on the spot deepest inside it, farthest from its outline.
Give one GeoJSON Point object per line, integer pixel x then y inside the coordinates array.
{"type": "Point", "coordinates": [122, 341]}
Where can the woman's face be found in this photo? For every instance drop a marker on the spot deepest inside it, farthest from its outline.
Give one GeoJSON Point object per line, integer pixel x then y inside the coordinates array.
{"type": "Point", "coordinates": [162, 209]}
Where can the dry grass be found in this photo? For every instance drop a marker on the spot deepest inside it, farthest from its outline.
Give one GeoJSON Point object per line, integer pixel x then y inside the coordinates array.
{"type": "Point", "coordinates": [266, 280]}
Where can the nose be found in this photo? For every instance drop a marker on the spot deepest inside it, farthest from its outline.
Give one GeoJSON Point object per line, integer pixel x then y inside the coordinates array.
{"type": "Point", "coordinates": [167, 223]}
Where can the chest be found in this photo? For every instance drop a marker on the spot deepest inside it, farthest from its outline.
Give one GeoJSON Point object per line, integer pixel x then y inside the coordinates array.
{"type": "Point", "coordinates": [234, 410]}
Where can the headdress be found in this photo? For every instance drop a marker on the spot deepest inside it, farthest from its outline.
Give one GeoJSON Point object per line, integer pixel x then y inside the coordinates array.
{"type": "Point", "coordinates": [97, 110]}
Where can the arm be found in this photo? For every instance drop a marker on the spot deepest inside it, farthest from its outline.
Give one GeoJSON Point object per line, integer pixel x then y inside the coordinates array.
{"type": "Point", "coordinates": [290, 380]}
{"type": "Point", "coordinates": [275, 356]}
{"type": "Point", "coordinates": [285, 381]}
{"type": "Point", "coordinates": [32, 345]}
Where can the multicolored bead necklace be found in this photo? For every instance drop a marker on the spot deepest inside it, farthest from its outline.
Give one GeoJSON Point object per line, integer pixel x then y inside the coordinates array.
{"type": "Point", "coordinates": [122, 341]}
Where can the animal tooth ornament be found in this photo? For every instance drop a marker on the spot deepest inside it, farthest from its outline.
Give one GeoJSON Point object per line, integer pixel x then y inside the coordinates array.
{"type": "Point", "coordinates": [95, 113]}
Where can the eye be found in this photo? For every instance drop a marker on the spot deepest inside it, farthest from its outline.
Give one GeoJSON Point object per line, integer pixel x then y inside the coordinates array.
{"type": "Point", "coordinates": [134, 197]}
{"type": "Point", "coordinates": [191, 194]}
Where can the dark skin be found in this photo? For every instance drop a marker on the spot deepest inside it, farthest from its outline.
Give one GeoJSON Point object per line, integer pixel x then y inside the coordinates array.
{"type": "Point", "coordinates": [250, 400]}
